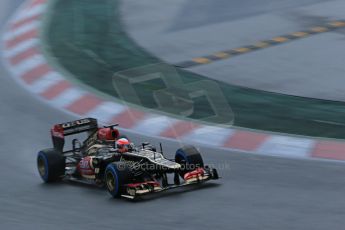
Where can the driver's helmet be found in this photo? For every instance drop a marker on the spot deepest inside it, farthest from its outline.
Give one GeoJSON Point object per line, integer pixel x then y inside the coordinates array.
{"type": "Point", "coordinates": [122, 145]}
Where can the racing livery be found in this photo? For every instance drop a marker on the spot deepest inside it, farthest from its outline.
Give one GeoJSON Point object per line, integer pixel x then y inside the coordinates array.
{"type": "Point", "coordinates": [106, 158]}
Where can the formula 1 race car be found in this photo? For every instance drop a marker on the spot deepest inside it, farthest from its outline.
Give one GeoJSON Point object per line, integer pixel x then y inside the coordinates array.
{"type": "Point", "coordinates": [109, 159]}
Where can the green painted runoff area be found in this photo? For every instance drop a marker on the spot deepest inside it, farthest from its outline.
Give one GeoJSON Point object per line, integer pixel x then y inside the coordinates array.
{"type": "Point", "coordinates": [88, 39]}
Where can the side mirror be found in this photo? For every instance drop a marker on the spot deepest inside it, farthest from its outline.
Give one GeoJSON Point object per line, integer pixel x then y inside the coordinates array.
{"type": "Point", "coordinates": [144, 144]}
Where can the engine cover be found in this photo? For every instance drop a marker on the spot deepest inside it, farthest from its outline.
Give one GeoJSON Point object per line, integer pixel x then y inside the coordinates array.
{"type": "Point", "coordinates": [108, 134]}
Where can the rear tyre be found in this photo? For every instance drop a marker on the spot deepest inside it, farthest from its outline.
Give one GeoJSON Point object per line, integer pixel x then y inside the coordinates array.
{"type": "Point", "coordinates": [50, 165]}
{"type": "Point", "coordinates": [116, 176]}
{"type": "Point", "coordinates": [189, 158]}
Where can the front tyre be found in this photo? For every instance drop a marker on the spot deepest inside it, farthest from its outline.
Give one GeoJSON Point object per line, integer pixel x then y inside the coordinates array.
{"type": "Point", "coordinates": [50, 165]}
{"type": "Point", "coordinates": [189, 158]}
{"type": "Point", "coordinates": [116, 176]}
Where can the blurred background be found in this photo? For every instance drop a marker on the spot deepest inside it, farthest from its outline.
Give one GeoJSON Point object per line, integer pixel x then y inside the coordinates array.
{"type": "Point", "coordinates": [256, 85]}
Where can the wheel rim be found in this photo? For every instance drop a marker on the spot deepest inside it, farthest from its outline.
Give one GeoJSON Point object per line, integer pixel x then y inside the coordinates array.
{"type": "Point", "coordinates": [41, 166]}
{"type": "Point", "coordinates": [110, 181]}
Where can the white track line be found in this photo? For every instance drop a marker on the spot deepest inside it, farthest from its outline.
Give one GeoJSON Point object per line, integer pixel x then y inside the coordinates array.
{"type": "Point", "coordinates": [213, 136]}
{"type": "Point", "coordinates": [44, 83]}
{"type": "Point", "coordinates": [29, 64]}
{"type": "Point", "coordinates": [67, 97]}
{"type": "Point", "coordinates": [287, 146]}
{"type": "Point", "coordinates": [154, 125]}
{"type": "Point", "coordinates": [21, 47]}
{"type": "Point", "coordinates": [28, 13]}
{"type": "Point", "coordinates": [12, 34]}
{"type": "Point", "coordinates": [106, 111]}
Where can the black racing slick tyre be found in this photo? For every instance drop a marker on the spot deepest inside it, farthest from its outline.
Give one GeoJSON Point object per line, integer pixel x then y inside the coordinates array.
{"type": "Point", "coordinates": [189, 158]}
{"type": "Point", "coordinates": [116, 176]}
{"type": "Point", "coordinates": [50, 165]}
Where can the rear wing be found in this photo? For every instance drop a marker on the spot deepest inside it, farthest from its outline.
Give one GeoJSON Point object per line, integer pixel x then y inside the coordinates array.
{"type": "Point", "coordinates": [59, 131]}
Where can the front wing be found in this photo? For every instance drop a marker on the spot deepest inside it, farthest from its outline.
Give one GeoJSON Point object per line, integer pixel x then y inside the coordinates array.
{"type": "Point", "coordinates": [137, 190]}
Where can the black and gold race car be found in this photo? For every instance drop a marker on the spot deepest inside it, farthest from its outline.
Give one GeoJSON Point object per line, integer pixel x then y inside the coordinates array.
{"type": "Point", "coordinates": [109, 159]}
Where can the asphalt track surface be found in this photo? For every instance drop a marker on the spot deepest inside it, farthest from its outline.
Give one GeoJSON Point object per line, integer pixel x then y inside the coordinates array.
{"type": "Point", "coordinates": [255, 193]}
